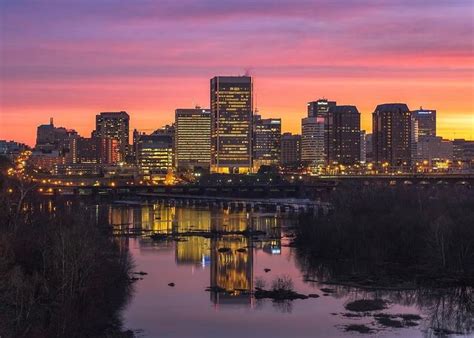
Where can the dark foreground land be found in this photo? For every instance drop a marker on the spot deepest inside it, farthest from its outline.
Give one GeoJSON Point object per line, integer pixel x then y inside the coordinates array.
{"type": "Point", "coordinates": [60, 276]}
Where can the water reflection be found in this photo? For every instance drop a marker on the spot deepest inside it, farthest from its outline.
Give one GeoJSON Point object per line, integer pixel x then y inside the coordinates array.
{"type": "Point", "coordinates": [229, 256]}
{"type": "Point", "coordinates": [231, 263]}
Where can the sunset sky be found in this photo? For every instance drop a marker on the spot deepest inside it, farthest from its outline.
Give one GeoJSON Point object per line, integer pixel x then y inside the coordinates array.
{"type": "Point", "coordinates": [71, 59]}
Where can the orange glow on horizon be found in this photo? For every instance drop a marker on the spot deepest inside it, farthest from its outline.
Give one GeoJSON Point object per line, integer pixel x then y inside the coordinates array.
{"type": "Point", "coordinates": [153, 106]}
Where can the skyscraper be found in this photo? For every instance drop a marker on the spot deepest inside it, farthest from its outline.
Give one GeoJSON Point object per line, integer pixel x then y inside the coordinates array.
{"type": "Point", "coordinates": [232, 110]}
{"type": "Point", "coordinates": [363, 146]}
{"type": "Point", "coordinates": [319, 107]}
{"type": "Point", "coordinates": [330, 134]}
{"type": "Point", "coordinates": [290, 149]}
{"type": "Point", "coordinates": [426, 119]}
{"type": "Point", "coordinates": [266, 141]}
{"type": "Point", "coordinates": [343, 128]}
{"type": "Point", "coordinates": [315, 132]}
{"type": "Point", "coordinates": [313, 149]}
{"type": "Point", "coordinates": [392, 134]}
{"type": "Point", "coordinates": [193, 138]}
{"type": "Point", "coordinates": [114, 125]}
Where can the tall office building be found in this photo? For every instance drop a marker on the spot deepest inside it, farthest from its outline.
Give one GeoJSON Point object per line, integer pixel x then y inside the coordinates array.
{"type": "Point", "coordinates": [290, 149]}
{"type": "Point", "coordinates": [114, 125]}
{"type": "Point", "coordinates": [232, 110]}
{"type": "Point", "coordinates": [330, 134]}
{"type": "Point", "coordinates": [363, 146]}
{"type": "Point", "coordinates": [320, 107]}
{"type": "Point", "coordinates": [193, 138]}
{"type": "Point", "coordinates": [426, 120]}
{"type": "Point", "coordinates": [313, 142]}
{"type": "Point", "coordinates": [369, 148]}
{"type": "Point", "coordinates": [315, 132]}
{"type": "Point", "coordinates": [343, 128]}
{"type": "Point", "coordinates": [266, 141]}
{"type": "Point", "coordinates": [391, 130]}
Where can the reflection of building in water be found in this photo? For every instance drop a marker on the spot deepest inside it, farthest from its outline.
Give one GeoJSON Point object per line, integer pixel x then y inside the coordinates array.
{"type": "Point", "coordinates": [227, 221]}
{"type": "Point", "coordinates": [194, 250]}
{"type": "Point", "coordinates": [231, 270]}
{"type": "Point", "coordinates": [157, 218]}
{"type": "Point", "coordinates": [272, 247]}
{"type": "Point", "coordinates": [230, 256]}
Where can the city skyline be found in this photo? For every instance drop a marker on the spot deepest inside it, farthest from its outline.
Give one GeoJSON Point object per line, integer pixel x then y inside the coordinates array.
{"type": "Point", "coordinates": [365, 119]}
{"type": "Point", "coordinates": [151, 58]}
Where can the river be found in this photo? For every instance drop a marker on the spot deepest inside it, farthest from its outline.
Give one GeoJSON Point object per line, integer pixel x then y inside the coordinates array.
{"type": "Point", "coordinates": [171, 300]}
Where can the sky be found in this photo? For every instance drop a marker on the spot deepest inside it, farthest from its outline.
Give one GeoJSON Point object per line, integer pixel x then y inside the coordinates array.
{"type": "Point", "coordinates": [73, 59]}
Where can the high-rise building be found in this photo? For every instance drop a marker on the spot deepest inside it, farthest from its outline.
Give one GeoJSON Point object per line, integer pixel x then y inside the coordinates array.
{"type": "Point", "coordinates": [155, 155]}
{"type": "Point", "coordinates": [369, 148]}
{"type": "Point", "coordinates": [426, 120]}
{"type": "Point", "coordinates": [343, 129]}
{"type": "Point", "coordinates": [84, 150]}
{"type": "Point", "coordinates": [108, 149]}
{"type": "Point", "coordinates": [313, 149]}
{"type": "Point", "coordinates": [290, 149]}
{"type": "Point", "coordinates": [315, 132]}
{"type": "Point", "coordinates": [392, 134]}
{"type": "Point", "coordinates": [266, 141]}
{"type": "Point", "coordinates": [320, 107]}
{"type": "Point", "coordinates": [363, 146]}
{"type": "Point", "coordinates": [114, 125]}
{"type": "Point", "coordinates": [193, 138]}
{"type": "Point", "coordinates": [330, 134]}
{"type": "Point", "coordinates": [232, 110]}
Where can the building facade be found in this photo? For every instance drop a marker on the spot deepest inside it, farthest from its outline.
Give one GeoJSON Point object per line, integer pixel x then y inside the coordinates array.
{"type": "Point", "coordinates": [315, 133]}
{"type": "Point", "coordinates": [426, 121]}
{"type": "Point", "coordinates": [266, 141]}
{"type": "Point", "coordinates": [463, 152]}
{"type": "Point", "coordinates": [155, 155]}
{"type": "Point", "coordinates": [114, 125]}
{"type": "Point", "coordinates": [363, 147]}
{"type": "Point", "coordinates": [193, 138]}
{"type": "Point", "coordinates": [50, 138]}
{"type": "Point", "coordinates": [392, 134]}
{"type": "Point", "coordinates": [232, 115]}
{"type": "Point", "coordinates": [343, 129]}
{"type": "Point", "coordinates": [290, 149]}
{"type": "Point", "coordinates": [433, 150]}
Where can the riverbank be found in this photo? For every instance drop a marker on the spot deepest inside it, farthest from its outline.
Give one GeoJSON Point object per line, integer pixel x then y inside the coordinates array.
{"type": "Point", "coordinates": [60, 275]}
{"type": "Point", "coordinates": [394, 238]}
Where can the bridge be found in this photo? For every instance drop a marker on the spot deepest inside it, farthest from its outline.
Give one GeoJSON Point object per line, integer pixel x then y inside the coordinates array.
{"type": "Point", "coordinates": [236, 203]}
{"type": "Point", "coordinates": [309, 187]}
